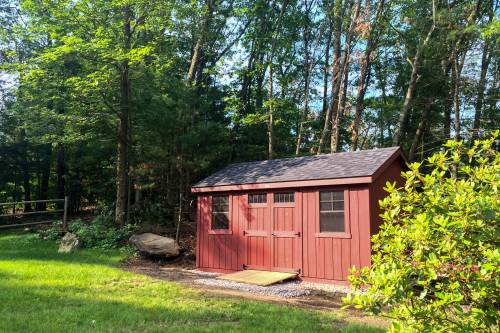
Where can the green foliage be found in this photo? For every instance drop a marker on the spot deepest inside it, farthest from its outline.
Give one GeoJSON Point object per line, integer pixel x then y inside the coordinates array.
{"type": "Point", "coordinates": [53, 232]}
{"type": "Point", "coordinates": [436, 262]}
{"type": "Point", "coordinates": [100, 232]}
{"type": "Point", "coordinates": [61, 66]}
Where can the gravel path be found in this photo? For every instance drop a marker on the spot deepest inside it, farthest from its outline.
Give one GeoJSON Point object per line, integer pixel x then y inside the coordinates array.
{"type": "Point", "coordinates": [331, 288]}
{"type": "Point", "coordinates": [286, 289]}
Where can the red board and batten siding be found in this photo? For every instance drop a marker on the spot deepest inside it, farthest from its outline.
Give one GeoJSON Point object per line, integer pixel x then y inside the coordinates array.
{"type": "Point", "coordinates": [221, 252]}
{"type": "Point", "coordinates": [391, 174]}
{"type": "Point", "coordinates": [321, 258]}
{"type": "Point", "coordinates": [329, 258]}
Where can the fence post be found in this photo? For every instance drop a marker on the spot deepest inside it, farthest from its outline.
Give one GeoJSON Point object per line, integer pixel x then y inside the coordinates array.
{"type": "Point", "coordinates": [65, 214]}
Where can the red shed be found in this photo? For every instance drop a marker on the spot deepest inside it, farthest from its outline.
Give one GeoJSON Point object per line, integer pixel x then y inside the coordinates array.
{"type": "Point", "coordinates": [313, 215]}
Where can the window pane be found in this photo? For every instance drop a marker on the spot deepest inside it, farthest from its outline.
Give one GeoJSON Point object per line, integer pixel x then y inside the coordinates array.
{"type": "Point", "coordinates": [220, 204]}
{"type": "Point", "coordinates": [257, 198]}
{"type": "Point", "coordinates": [224, 200]}
{"type": "Point", "coordinates": [325, 196]}
{"type": "Point", "coordinates": [220, 221]}
{"type": "Point", "coordinates": [284, 197]}
{"type": "Point", "coordinates": [331, 208]}
{"type": "Point", "coordinates": [338, 195]}
{"type": "Point", "coordinates": [338, 205]}
{"type": "Point", "coordinates": [325, 206]}
{"type": "Point", "coordinates": [332, 222]}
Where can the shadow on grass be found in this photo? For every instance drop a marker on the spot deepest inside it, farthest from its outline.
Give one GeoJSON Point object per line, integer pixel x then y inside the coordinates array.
{"type": "Point", "coordinates": [66, 309]}
{"type": "Point", "coordinates": [91, 299]}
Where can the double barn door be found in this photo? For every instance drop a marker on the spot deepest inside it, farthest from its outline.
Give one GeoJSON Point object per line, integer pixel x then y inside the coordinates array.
{"type": "Point", "coordinates": [273, 236]}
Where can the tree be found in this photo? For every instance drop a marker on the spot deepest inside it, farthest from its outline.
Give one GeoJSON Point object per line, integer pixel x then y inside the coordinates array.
{"type": "Point", "coordinates": [126, 104]}
{"type": "Point", "coordinates": [372, 35]}
{"type": "Point", "coordinates": [435, 264]}
{"type": "Point", "coordinates": [414, 76]}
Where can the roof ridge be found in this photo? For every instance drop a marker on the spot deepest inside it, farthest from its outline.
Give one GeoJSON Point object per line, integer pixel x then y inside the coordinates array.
{"type": "Point", "coordinates": [314, 156]}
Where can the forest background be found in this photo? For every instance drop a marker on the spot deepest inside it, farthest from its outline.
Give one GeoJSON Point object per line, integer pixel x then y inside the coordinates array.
{"type": "Point", "coordinates": [124, 104]}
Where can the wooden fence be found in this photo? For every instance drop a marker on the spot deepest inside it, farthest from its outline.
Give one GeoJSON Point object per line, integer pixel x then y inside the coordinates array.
{"type": "Point", "coordinates": [20, 213]}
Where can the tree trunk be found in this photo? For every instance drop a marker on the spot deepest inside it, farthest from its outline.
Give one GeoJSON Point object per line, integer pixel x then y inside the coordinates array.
{"type": "Point", "coordinates": [23, 145]}
{"type": "Point", "coordinates": [340, 111]}
{"type": "Point", "coordinates": [46, 152]}
{"type": "Point", "coordinates": [61, 173]}
{"type": "Point", "coordinates": [485, 62]}
{"type": "Point", "coordinates": [339, 107]}
{"type": "Point", "coordinates": [420, 130]}
{"type": "Point", "coordinates": [325, 73]}
{"type": "Point", "coordinates": [246, 85]}
{"type": "Point", "coordinates": [448, 104]}
{"type": "Point", "coordinates": [197, 51]}
{"type": "Point", "coordinates": [194, 60]}
{"type": "Point", "coordinates": [403, 115]}
{"type": "Point", "coordinates": [123, 122]}
{"type": "Point", "coordinates": [365, 69]}
{"type": "Point", "coordinates": [306, 79]}
{"type": "Point", "coordinates": [336, 75]}
{"type": "Point", "coordinates": [270, 124]}
{"type": "Point", "coordinates": [458, 65]}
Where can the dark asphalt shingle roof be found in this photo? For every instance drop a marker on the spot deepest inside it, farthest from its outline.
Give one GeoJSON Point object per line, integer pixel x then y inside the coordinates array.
{"type": "Point", "coordinates": [327, 166]}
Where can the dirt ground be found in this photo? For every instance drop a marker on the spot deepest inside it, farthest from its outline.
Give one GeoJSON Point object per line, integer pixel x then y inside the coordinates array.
{"type": "Point", "coordinates": [182, 270]}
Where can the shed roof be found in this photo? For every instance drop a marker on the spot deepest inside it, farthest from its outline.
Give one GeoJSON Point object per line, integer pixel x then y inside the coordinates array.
{"type": "Point", "coordinates": [363, 163]}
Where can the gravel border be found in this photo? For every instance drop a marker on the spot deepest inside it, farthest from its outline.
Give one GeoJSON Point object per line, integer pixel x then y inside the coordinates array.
{"type": "Point", "coordinates": [331, 288]}
{"type": "Point", "coordinates": [286, 289]}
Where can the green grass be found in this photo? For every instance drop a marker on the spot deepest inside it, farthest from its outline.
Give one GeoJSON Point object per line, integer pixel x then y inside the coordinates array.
{"type": "Point", "coordinates": [86, 291]}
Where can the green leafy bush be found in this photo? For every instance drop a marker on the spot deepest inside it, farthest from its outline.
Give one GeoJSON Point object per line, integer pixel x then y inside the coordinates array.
{"type": "Point", "coordinates": [436, 259]}
{"type": "Point", "coordinates": [100, 232]}
{"type": "Point", "coordinates": [53, 232]}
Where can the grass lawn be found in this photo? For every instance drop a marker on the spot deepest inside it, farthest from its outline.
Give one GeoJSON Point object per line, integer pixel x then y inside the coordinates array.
{"type": "Point", "coordinates": [86, 291]}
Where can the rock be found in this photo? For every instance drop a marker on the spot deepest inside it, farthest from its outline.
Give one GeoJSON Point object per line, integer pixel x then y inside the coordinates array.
{"type": "Point", "coordinates": [155, 245]}
{"type": "Point", "coordinates": [68, 243]}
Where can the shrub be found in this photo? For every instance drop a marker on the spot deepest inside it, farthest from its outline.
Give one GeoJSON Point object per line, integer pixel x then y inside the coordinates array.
{"type": "Point", "coordinates": [100, 232]}
{"type": "Point", "coordinates": [436, 260]}
{"type": "Point", "coordinates": [52, 232]}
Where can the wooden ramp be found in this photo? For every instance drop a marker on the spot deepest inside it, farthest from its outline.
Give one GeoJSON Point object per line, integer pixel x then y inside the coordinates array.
{"type": "Point", "coordinates": [260, 278]}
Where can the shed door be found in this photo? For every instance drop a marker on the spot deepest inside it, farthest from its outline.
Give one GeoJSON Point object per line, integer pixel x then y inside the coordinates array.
{"type": "Point", "coordinates": [257, 237]}
{"type": "Point", "coordinates": [286, 235]}
{"type": "Point", "coordinates": [273, 234]}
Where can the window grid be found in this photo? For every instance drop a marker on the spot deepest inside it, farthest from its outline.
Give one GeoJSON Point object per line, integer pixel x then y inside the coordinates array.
{"type": "Point", "coordinates": [220, 212]}
{"type": "Point", "coordinates": [284, 197]}
{"type": "Point", "coordinates": [331, 207]}
{"type": "Point", "coordinates": [257, 198]}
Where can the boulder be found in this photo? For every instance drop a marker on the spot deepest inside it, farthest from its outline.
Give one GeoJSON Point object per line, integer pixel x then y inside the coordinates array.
{"type": "Point", "coordinates": [155, 245]}
{"type": "Point", "coordinates": [68, 243]}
